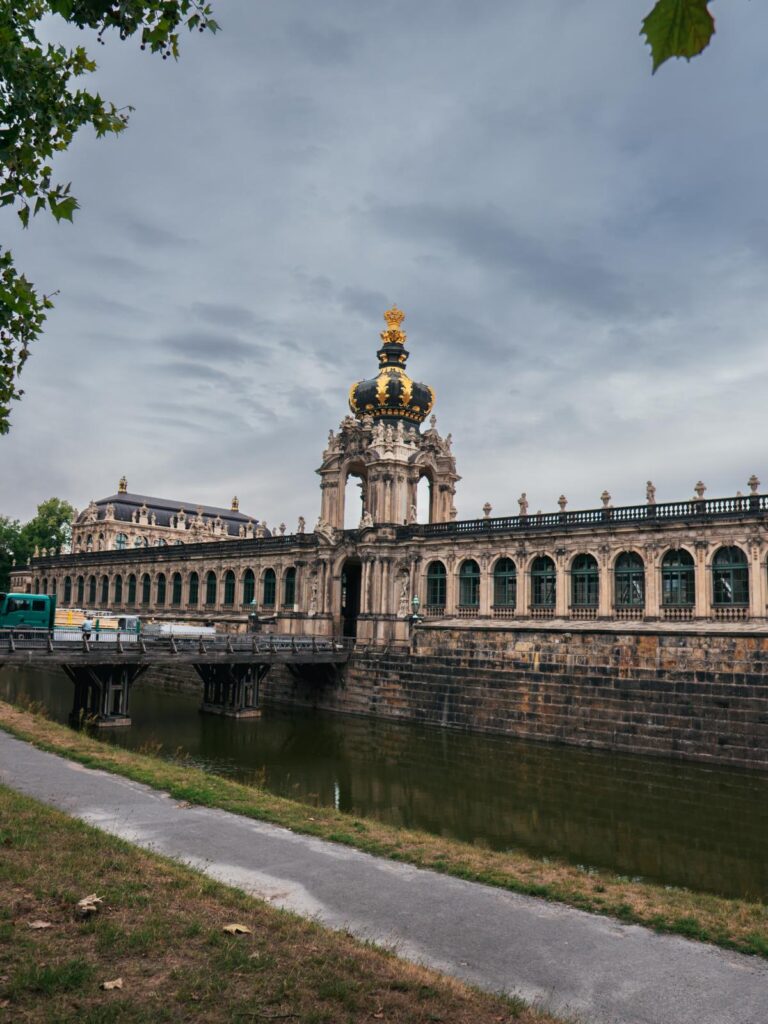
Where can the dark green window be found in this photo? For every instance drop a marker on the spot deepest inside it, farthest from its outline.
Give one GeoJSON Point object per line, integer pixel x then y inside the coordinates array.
{"type": "Point", "coordinates": [436, 585]}
{"type": "Point", "coordinates": [629, 580]}
{"type": "Point", "coordinates": [270, 588]}
{"type": "Point", "coordinates": [543, 582]}
{"type": "Point", "coordinates": [145, 588]}
{"type": "Point", "coordinates": [161, 588]}
{"type": "Point", "coordinates": [504, 584]}
{"type": "Point", "coordinates": [121, 542]}
{"type": "Point", "coordinates": [118, 589]}
{"type": "Point", "coordinates": [194, 589]}
{"type": "Point", "coordinates": [36, 588]}
{"type": "Point", "coordinates": [105, 591]}
{"type": "Point", "coordinates": [730, 577]}
{"type": "Point", "coordinates": [210, 588]}
{"type": "Point", "coordinates": [54, 586]}
{"type": "Point", "coordinates": [585, 582]}
{"type": "Point", "coordinates": [92, 590]}
{"type": "Point", "coordinates": [678, 579]}
{"type": "Point", "coordinates": [469, 584]}
{"type": "Point", "coordinates": [80, 590]}
{"type": "Point", "coordinates": [67, 590]}
{"type": "Point", "coordinates": [176, 589]}
{"type": "Point", "coordinates": [132, 589]}
{"type": "Point", "coordinates": [229, 587]}
{"type": "Point", "coordinates": [249, 587]}
{"type": "Point", "coordinates": [289, 588]}
{"type": "Point", "coordinates": [45, 584]}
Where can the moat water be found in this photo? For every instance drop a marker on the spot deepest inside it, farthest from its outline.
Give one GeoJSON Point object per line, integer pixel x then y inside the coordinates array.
{"type": "Point", "coordinates": [689, 825]}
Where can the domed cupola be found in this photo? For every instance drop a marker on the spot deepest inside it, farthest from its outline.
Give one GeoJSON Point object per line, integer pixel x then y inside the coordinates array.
{"type": "Point", "coordinates": [392, 395]}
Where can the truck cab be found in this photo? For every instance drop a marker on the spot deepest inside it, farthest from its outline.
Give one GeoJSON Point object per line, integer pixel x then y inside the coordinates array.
{"type": "Point", "coordinates": [32, 611]}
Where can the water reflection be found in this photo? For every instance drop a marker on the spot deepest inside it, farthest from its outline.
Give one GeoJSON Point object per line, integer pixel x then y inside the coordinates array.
{"type": "Point", "coordinates": [690, 825]}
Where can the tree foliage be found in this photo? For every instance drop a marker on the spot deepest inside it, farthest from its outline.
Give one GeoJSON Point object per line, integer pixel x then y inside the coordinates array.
{"type": "Point", "coordinates": [50, 529]}
{"type": "Point", "coordinates": [42, 106]}
{"type": "Point", "coordinates": [678, 28]}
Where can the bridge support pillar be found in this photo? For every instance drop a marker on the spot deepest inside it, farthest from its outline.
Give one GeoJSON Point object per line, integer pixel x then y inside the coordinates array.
{"type": "Point", "coordinates": [102, 693]}
{"type": "Point", "coordinates": [231, 690]}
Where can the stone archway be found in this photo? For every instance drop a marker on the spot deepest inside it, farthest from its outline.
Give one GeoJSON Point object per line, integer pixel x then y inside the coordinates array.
{"type": "Point", "coordinates": [351, 583]}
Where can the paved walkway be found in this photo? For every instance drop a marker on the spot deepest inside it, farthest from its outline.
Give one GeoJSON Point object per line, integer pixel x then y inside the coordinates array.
{"type": "Point", "coordinates": [571, 962]}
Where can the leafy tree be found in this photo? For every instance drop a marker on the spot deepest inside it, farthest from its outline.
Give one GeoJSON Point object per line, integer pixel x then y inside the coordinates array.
{"type": "Point", "coordinates": [42, 107]}
{"type": "Point", "coordinates": [678, 28]}
{"type": "Point", "coordinates": [51, 528]}
{"type": "Point", "coordinates": [12, 549]}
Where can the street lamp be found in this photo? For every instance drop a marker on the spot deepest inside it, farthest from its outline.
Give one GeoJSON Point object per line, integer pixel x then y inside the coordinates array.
{"type": "Point", "coordinates": [415, 605]}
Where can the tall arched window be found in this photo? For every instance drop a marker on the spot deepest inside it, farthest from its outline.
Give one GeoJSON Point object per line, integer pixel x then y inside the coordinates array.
{"type": "Point", "coordinates": [36, 588]}
{"type": "Point", "coordinates": [121, 542]}
{"type": "Point", "coordinates": [92, 590]}
{"type": "Point", "coordinates": [504, 584]}
{"type": "Point", "coordinates": [54, 586]}
{"type": "Point", "coordinates": [543, 582]}
{"type": "Point", "coordinates": [105, 591]}
{"type": "Point", "coordinates": [289, 588]}
{"type": "Point", "coordinates": [132, 589]}
{"type": "Point", "coordinates": [67, 590]}
{"type": "Point", "coordinates": [161, 589]}
{"type": "Point", "coordinates": [80, 590]}
{"type": "Point", "coordinates": [176, 589]}
{"type": "Point", "coordinates": [145, 588]}
{"type": "Point", "coordinates": [194, 589]}
{"type": "Point", "coordinates": [45, 584]}
{"type": "Point", "coordinates": [436, 585]}
{"type": "Point", "coordinates": [210, 587]}
{"type": "Point", "coordinates": [249, 587]}
{"type": "Point", "coordinates": [730, 577]}
{"type": "Point", "coordinates": [469, 584]}
{"type": "Point", "coordinates": [585, 582]}
{"type": "Point", "coordinates": [118, 589]}
{"type": "Point", "coordinates": [270, 588]}
{"type": "Point", "coordinates": [229, 587]}
{"type": "Point", "coordinates": [89, 542]}
{"type": "Point", "coordinates": [678, 579]}
{"type": "Point", "coordinates": [629, 580]}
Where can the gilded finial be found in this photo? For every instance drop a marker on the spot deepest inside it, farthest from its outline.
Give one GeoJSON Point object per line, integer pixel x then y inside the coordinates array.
{"type": "Point", "coordinates": [393, 318]}
{"type": "Point", "coordinates": [235, 506]}
{"type": "Point", "coordinates": [122, 487]}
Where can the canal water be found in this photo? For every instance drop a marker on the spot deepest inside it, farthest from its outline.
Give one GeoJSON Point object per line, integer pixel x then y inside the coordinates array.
{"type": "Point", "coordinates": [688, 825]}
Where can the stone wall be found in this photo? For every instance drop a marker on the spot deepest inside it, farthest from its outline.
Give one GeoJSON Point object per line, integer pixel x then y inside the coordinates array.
{"type": "Point", "coordinates": [699, 696]}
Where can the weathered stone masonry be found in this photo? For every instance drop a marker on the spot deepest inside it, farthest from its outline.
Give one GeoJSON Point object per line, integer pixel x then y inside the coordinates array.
{"type": "Point", "coordinates": [699, 697]}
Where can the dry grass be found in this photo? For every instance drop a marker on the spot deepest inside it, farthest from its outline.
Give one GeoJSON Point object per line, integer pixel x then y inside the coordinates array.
{"type": "Point", "coordinates": [160, 929]}
{"type": "Point", "coordinates": [732, 923]}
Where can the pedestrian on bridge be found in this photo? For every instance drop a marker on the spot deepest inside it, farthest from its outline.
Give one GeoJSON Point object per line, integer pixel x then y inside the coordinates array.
{"type": "Point", "coordinates": [86, 627]}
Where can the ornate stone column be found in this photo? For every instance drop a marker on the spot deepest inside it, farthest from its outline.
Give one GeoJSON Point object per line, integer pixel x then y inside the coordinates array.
{"type": "Point", "coordinates": [702, 581]}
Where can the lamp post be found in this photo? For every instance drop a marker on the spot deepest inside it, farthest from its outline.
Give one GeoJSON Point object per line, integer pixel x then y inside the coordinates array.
{"type": "Point", "coordinates": [415, 605]}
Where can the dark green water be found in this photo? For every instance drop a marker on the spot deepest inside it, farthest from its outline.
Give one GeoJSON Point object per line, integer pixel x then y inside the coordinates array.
{"type": "Point", "coordinates": [686, 825]}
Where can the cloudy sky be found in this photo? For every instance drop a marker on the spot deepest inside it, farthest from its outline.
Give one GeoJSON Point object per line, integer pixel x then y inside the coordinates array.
{"type": "Point", "coordinates": [581, 250]}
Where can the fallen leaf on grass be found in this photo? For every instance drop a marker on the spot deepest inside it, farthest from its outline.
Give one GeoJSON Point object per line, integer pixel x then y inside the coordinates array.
{"type": "Point", "coordinates": [237, 929]}
{"type": "Point", "coordinates": [89, 904]}
{"type": "Point", "coordinates": [39, 925]}
{"type": "Point", "coordinates": [4, 1003]}
{"type": "Point", "coordinates": [109, 985]}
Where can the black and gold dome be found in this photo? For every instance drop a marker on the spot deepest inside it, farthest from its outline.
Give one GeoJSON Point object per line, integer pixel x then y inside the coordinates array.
{"type": "Point", "coordinates": [392, 395]}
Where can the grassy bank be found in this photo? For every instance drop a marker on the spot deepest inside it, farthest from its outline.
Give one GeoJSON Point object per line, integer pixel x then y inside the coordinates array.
{"type": "Point", "coordinates": [160, 930]}
{"type": "Point", "coordinates": [734, 924]}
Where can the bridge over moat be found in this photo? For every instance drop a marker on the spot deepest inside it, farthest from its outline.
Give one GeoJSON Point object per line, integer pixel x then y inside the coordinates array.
{"type": "Point", "coordinates": [231, 667]}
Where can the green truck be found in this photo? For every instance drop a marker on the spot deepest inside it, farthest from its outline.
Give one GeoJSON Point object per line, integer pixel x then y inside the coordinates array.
{"type": "Point", "coordinates": [32, 611]}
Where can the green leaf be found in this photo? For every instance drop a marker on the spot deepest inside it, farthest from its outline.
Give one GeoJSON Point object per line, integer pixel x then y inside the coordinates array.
{"type": "Point", "coordinates": [24, 216]}
{"type": "Point", "coordinates": [62, 209]}
{"type": "Point", "coordinates": [678, 28]}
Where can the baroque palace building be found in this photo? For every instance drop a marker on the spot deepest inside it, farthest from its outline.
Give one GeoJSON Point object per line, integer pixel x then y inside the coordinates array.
{"type": "Point", "coordinates": [700, 560]}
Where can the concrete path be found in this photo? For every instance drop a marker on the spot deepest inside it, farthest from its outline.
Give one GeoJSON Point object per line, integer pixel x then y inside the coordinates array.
{"type": "Point", "coordinates": [572, 963]}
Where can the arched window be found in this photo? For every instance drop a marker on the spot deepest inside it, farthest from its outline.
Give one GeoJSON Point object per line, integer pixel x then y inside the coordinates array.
{"type": "Point", "coordinates": [585, 582]}
{"type": "Point", "coordinates": [229, 587]}
{"type": "Point", "coordinates": [436, 585]}
{"type": "Point", "coordinates": [469, 584]}
{"type": "Point", "coordinates": [80, 590]}
{"type": "Point", "coordinates": [543, 582]}
{"type": "Point", "coordinates": [210, 587]}
{"type": "Point", "coordinates": [89, 542]}
{"type": "Point", "coordinates": [54, 586]}
{"type": "Point", "coordinates": [194, 589]}
{"type": "Point", "coordinates": [140, 542]}
{"type": "Point", "coordinates": [176, 589]}
{"type": "Point", "coordinates": [91, 590]}
{"type": "Point", "coordinates": [45, 584]}
{"type": "Point", "coordinates": [504, 584]}
{"type": "Point", "coordinates": [629, 581]}
{"type": "Point", "coordinates": [249, 587]}
{"type": "Point", "coordinates": [67, 590]}
{"type": "Point", "coordinates": [105, 591]}
{"type": "Point", "coordinates": [161, 589]}
{"type": "Point", "coordinates": [730, 577]}
{"type": "Point", "coordinates": [132, 589]}
{"type": "Point", "coordinates": [270, 588]}
{"type": "Point", "coordinates": [145, 588]}
{"type": "Point", "coordinates": [289, 588]}
{"type": "Point", "coordinates": [678, 579]}
{"type": "Point", "coordinates": [36, 588]}
{"type": "Point", "coordinates": [121, 542]}
{"type": "Point", "coordinates": [118, 589]}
